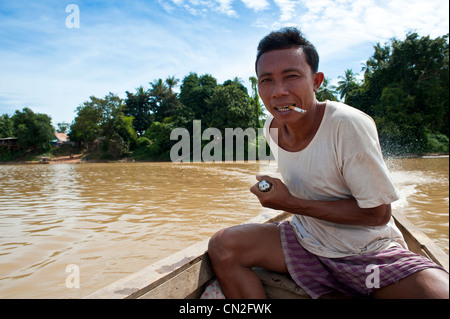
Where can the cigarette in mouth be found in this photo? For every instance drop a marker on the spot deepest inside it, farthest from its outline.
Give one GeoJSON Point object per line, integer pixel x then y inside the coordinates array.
{"type": "Point", "coordinates": [297, 109]}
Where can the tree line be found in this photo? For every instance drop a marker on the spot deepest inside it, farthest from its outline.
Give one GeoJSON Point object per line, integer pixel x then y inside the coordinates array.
{"type": "Point", "coordinates": [405, 90]}
{"type": "Point", "coordinates": [142, 122]}
{"type": "Point", "coordinates": [404, 87]}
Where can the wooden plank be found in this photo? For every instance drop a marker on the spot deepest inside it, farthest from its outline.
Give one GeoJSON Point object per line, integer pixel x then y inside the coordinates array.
{"type": "Point", "coordinates": [139, 283]}
{"type": "Point", "coordinates": [419, 242]}
{"type": "Point", "coordinates": [184, 284]}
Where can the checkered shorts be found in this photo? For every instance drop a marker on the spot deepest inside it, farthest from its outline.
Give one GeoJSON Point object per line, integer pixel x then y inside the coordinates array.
{"type": "Point", "coordinates": [354, 276]}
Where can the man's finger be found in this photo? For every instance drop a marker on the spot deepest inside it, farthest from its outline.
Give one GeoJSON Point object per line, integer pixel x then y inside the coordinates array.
{"type": "Point", "coordinates": [263, 177]}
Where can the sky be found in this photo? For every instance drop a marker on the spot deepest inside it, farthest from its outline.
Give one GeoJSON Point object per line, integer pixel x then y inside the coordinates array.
{"type": "Point", "coordinates": [55, 54]}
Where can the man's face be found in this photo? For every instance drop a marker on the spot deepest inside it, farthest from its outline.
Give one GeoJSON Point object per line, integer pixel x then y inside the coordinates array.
{"type": "Point", "coordinates": [284, 79]}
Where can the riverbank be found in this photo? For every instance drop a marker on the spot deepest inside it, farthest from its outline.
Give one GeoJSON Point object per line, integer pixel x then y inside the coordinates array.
{"type": "Point", "coordinates": [85, 158]}
{"type": "Point", "coordinates": [68, 159]}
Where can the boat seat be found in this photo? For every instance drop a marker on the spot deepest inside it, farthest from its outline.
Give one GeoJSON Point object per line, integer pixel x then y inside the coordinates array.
{"type": "Point", "coordinates": [281, 286]}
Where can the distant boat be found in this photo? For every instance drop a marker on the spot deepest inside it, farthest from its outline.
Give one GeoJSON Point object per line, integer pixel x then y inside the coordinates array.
{"type": "Point", "coordinates": [44, 160]}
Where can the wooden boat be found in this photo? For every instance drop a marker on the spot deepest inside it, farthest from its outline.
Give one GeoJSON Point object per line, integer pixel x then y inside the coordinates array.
{"type": "Point", "coordinates": [187, 273]}
{"type": "Point", "coordinates": [44, 160]}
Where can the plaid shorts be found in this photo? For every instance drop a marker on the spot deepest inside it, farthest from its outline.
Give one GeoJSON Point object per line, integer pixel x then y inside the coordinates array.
{"type": "Point", "coordinates": [353, 276]}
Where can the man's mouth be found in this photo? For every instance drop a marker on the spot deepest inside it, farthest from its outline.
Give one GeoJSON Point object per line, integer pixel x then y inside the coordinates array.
{"type": "Point", "coordinates": [284, 108]}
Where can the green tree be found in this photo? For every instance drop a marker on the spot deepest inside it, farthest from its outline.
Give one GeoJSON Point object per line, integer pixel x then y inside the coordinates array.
{"type": "Point", "coordinates": [33, 130]}
{"type": "Point", "coordinates": [159, 144]}
{"type": "Point", "coordinates": [104, 117]}
{"type": "Point", "coordinates": [347, 84]}
{"type": "Point", "coordinates": [164, 102]}
{"type": "Point", "coordinates": [257, 107]}
{"type": "Point", "coordinates": [138, 106]}
{"type": "Point", "coordinates": [195, 91]}
{"type": "Point", "coordinates": [405, 90]}
{"type": "Point", "coordinates": [171, 82]}
{"type": "Point", "coordinates": [63, 127]}
{"type": "Point", "coordinates": [86, 126]}
{"type": "Point", "coordinates": [158, 92]}
{"type": "Point", "coordinates": [326, 91]}
{"type": "Point", "coordinates": [115, 126]}
{"type": "Point", "coordinates": [6, 126]}
{"type": "Point", "coordinates": [230, 107]}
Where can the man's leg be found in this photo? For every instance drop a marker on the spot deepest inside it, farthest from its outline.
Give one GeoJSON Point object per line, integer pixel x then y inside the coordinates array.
{"type": "Point", "coordinates": [426, 284]}
{"type": "Point", "coordinates": [233, 251]}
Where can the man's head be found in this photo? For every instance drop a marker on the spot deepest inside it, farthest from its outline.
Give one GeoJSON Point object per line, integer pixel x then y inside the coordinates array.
{"type": "Point", "coordinates": [288, 38]}
{"type": "Point", "coordinates": [287, 71]}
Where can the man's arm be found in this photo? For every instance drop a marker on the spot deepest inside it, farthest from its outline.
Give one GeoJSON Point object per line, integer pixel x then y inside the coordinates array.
{"type": "Point", "coordinates": [345, 211]}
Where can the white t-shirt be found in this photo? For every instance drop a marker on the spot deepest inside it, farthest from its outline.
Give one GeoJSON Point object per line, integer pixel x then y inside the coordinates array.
{"type": "Point", "coordinates": [343, 160]}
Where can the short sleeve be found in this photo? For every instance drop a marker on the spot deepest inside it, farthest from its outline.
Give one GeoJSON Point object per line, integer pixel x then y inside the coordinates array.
{"type": "Point", "coordinates": [368, 179]}
{"type": "Point", "coordinates": [362, 164]}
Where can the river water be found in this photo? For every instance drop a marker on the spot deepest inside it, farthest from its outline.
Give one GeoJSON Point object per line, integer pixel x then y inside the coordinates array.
{"type": "Point", "coordinates": [110, 220]}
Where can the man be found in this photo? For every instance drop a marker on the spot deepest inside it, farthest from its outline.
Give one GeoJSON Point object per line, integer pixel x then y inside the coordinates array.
{"type": "Point", "coordinates": [335, 184]}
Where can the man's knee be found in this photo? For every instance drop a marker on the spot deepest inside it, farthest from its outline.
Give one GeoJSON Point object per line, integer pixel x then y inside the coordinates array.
{"type": "Point", "coordinates": [222, 246]}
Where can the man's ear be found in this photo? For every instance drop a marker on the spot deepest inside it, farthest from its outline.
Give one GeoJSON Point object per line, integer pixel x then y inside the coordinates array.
{"type": "Point", "coordinates": [318, 79]}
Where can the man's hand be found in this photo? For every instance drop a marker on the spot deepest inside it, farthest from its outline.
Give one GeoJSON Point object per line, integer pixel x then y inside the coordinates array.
{"type": "Point", "coordinates": [343, 211]}
{"type": "Point", "coordinates": [276, 198]}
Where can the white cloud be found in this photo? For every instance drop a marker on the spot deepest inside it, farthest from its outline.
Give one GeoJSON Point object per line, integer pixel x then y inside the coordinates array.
{"type": "Point", "coordinates": [341, 25]}
{"type": "Point", "coordinates": [225, 6]}
{"type": "Point", "coordinates": [200, 7]}
{"type": "Point", "coordinates": [256, 5]}
{"type": "Point", "coordinates": [287, 8]}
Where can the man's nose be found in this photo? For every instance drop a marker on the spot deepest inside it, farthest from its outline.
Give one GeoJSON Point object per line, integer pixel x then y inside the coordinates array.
{"type": "Point", "coordinates": [279, 89]}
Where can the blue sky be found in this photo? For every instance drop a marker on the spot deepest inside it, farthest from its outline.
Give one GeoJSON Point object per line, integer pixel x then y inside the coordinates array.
{"type": "Point", "coordinates": [121, 45]}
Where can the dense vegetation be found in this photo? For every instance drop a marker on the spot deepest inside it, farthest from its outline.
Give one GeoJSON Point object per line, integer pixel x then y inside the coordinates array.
{"type": "Point", "coordinates": [404, 88]}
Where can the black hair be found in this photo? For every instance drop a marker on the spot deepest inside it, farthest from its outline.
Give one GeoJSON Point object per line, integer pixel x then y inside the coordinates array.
{"type": "Point", "coordinates": [288, 38]}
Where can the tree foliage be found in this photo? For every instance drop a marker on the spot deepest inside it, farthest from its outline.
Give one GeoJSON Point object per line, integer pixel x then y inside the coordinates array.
{"type": "Point", "coordinates": [195, 90]}
{"type": "Point", "coordinates": [326, 91]}
{"type": "Point", "coordinates": [33, 130]}
{"type": "Point", "coordinates": [405, 90]}
{"type": "Point", "coordinates": [138, 106]}
{"type": "Point", "coordinates": [6, 126]}
{"type": "Point", "coordinates": [104, 118]}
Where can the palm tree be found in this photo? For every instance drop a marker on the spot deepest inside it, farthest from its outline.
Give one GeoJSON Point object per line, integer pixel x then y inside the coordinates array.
{"type": "Point", "coordinates": [347, 83]}
{"type": "Point", "coordinates": [159, 88]}
{"type": "Point", "coordinates": [326, 92]}
{"type": "Point", "coordinates": [171, 82]}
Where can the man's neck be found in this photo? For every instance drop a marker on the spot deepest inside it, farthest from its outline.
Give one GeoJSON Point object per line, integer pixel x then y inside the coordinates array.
{"type": "Point", "coordinates": [296, 136]}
